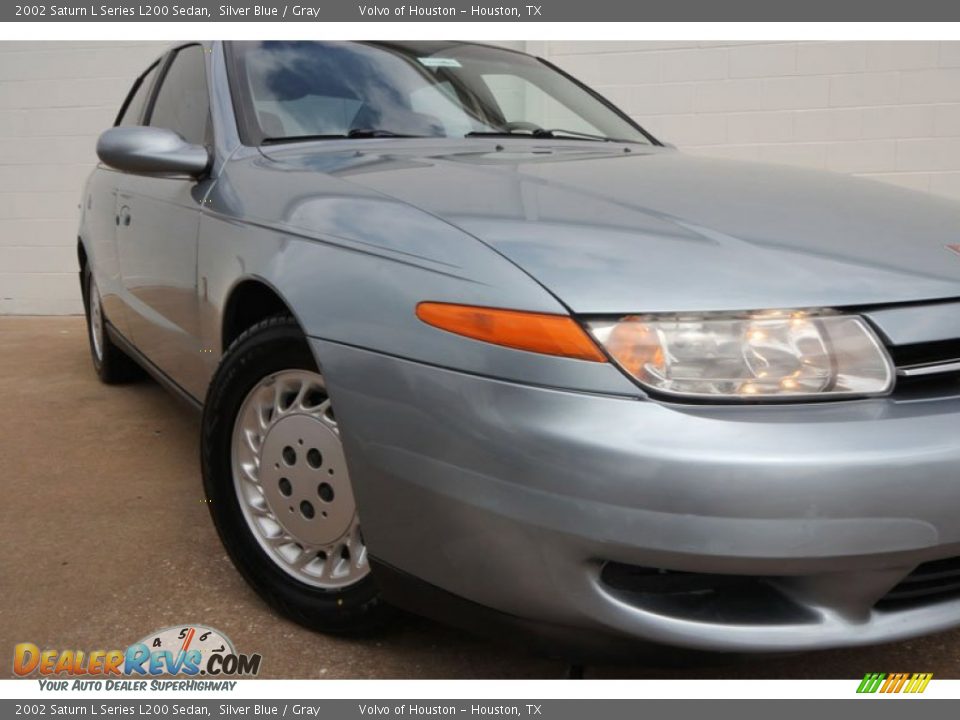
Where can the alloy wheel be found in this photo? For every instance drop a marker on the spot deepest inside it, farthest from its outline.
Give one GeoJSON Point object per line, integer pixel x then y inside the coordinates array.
{"type": "Point", "coordinates": [291, 479]}
{"type": "Point", "coordinates": [96, 321]}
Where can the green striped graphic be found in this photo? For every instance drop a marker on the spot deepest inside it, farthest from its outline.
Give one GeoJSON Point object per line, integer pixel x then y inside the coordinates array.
{"type": "Point", "coordinates": [871, 682]}
{"type": "Point", "coordinates": [893, 683]}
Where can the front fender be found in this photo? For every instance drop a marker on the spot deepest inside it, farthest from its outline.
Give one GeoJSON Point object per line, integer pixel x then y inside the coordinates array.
{"type": "Point", "coordinates": [352, 265]}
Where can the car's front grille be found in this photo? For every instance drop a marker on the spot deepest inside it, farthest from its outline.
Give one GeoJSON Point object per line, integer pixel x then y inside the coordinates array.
{"type": "Point", "coordinates": [931, 582]}
{"type": "Point", "coordinates": [927, 368]}
{"type": "Point", "coordinates": [942, 352]}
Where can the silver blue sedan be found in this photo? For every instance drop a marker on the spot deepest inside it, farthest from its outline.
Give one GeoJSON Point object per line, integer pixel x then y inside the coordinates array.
{"type": "Point", "coordinates": [469, 341]}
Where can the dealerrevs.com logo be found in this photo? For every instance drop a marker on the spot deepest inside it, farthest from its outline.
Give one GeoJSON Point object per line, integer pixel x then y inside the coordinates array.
{"type": "Point", "coordinates": [185, 650]}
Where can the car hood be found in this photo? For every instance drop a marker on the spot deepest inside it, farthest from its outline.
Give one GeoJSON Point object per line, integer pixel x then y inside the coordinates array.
{"type": "Point", "coordinates": [621, 229]}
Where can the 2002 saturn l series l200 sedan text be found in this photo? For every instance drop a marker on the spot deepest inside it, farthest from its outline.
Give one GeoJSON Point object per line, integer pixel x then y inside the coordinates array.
{"type": "Point", "coordinates": [470, 341]}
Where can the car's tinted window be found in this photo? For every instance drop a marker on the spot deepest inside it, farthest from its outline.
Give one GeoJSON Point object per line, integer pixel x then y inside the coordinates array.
{"type": "Point", "coordinates": [182, 104]}
{"type": "Point", "coordinates": [131, 114]}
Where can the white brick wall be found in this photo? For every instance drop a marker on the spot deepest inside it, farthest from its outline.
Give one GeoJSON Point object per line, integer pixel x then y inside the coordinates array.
{"type": "Point", "coordinates": [55, 98]}
{"type": "Point", "coordinates": [886, 110]}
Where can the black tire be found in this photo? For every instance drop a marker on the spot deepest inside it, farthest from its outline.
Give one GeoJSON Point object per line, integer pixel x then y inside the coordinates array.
{"type": "Point", "coordinates": [112, 364]}
{"type": "Point", "coordinates": [271, 346]}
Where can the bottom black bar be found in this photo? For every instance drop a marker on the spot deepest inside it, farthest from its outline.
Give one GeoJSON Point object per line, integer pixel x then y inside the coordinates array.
{"type": "Point", "coordinates": [599, 709]}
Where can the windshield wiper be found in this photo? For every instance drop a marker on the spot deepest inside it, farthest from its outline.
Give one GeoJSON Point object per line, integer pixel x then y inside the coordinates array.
{"type": "Point", "coordinates": [561, 133]}
{"type": "Point", "coordinates": [299, 138]}
{"type": "Point", "coordinates": [553, 133]}
{"type": "Point", "coordinates": [498, 133]}
{"type": "Point", "coordinates": [378, 133]}
{"type": "Point", "coordinates": [354, 133]}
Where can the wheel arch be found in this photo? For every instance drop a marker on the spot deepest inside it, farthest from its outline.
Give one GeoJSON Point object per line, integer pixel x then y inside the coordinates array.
{"type": "Point", "coordinates": [82, 256]}
{"type": "Point", "coordinates": [83, 262]}
{"type": "Point", "coordinates": [249, 301]}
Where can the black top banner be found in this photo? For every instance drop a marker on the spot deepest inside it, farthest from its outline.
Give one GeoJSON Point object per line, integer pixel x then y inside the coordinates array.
{"type": "Point", "coordinates": [574, 11]}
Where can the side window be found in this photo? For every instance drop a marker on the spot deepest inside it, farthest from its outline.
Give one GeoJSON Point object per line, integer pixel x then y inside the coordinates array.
{"type": "Point", "coordinates": [132, 110]}
{"type": "Point", "coordinates": [183, 105]}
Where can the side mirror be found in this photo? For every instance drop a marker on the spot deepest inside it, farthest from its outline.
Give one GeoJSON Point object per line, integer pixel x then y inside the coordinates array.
{"type": "Point", "coordinates": [151, 151]}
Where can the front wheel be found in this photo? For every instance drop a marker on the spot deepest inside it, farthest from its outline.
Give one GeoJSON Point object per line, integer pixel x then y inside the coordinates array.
{"type": "Point", "coordinates": [279, 488]}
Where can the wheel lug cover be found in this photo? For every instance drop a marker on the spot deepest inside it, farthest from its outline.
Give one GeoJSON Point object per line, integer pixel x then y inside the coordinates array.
{"type": "Point", "coordinates": [314, 505]}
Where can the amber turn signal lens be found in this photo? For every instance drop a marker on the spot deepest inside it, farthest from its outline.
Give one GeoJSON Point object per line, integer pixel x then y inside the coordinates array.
{"type": "Point", "coordinates": [534, 332]}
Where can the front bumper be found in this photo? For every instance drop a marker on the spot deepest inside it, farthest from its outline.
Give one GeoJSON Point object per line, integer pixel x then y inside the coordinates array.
{"type": "Point", "coordinates": [517, 497]}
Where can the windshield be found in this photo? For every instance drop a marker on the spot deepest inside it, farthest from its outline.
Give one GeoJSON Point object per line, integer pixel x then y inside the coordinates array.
{"type": "Point", "coordinates": [290, 90]}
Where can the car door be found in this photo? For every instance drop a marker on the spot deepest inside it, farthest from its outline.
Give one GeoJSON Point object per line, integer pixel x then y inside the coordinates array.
{"type": "Point", "coordinates": [159, 217]}
{"type": "Point", "coordinates": [102, 211]}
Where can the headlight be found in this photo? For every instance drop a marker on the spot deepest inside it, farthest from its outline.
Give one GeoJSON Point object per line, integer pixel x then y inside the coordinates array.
{"type": "Point", "coordinates": [766, 355]}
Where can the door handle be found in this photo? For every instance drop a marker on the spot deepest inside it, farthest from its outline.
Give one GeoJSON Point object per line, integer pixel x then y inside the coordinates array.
{"type": "Point", "coordinates": [124, 216]}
